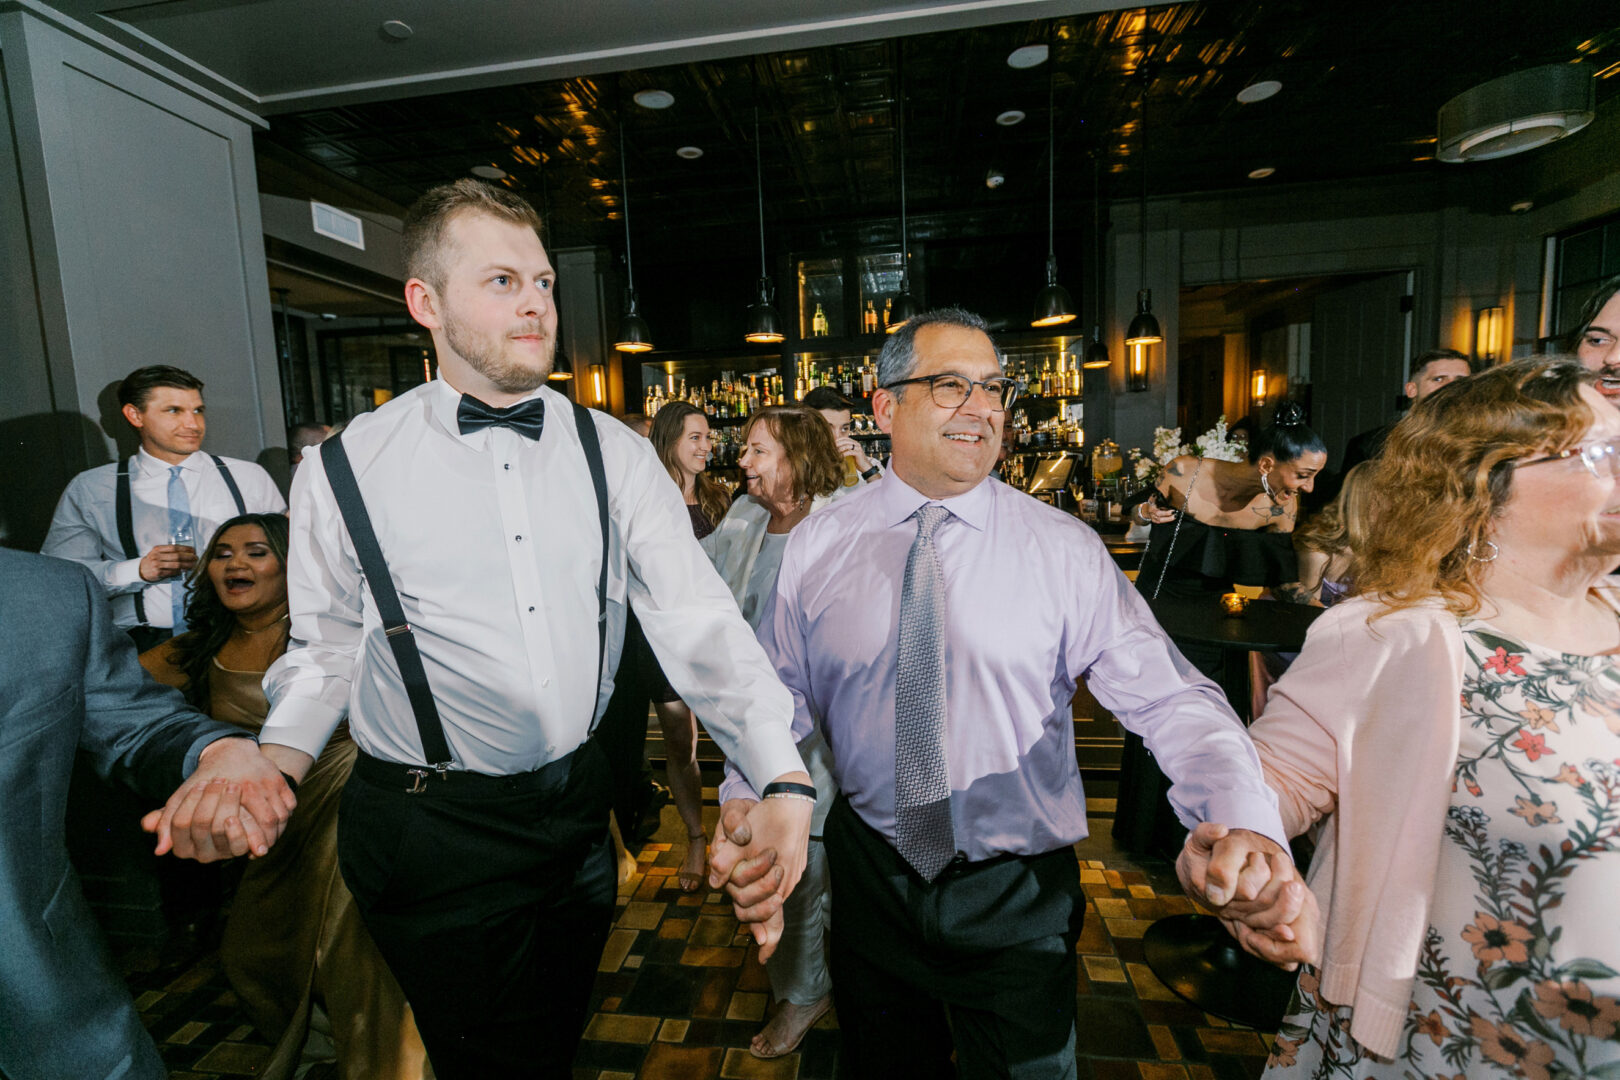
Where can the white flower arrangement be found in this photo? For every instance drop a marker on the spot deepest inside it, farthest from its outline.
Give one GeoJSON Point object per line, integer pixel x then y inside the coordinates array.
{"type": "Point", "coordinates": [1167, 446]}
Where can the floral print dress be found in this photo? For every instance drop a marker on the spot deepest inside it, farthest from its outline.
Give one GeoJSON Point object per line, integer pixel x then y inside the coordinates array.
{"type": "Point", "coordinates": [1520, 971]}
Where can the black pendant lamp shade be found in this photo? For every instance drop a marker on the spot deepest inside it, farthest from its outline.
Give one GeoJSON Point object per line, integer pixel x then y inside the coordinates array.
{"type": "Point", "coordinates": [1053, 304]}
{"type": "Point", "coordinates": [764, 328]}
{"type": "Point", "coordinates": [1144, 328]}
{"type": "Point", "coordinates": [635, 336]}
{"type": "Point", "coordinates": [1097, 352]}
{"type": "Point", "coordinates": [561, 369]}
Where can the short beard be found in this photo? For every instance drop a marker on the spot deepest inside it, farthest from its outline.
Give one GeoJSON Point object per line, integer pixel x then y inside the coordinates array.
{"type": "Point", "coordinates": [486, 359]}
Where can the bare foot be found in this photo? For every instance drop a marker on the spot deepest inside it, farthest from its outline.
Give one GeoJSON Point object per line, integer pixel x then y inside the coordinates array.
{"type": "Point", "coordinates": [695, 867]}
{"type": "Point", "coordinates": [787, 1027]}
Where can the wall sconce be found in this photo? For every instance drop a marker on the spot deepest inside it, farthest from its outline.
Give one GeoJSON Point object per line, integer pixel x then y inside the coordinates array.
{"type": "Point", "coordinates": [599, 383]}
{"type": "Point", "coordinates": [1136, 370]}
{"type": "Point", "coordinates": [1488, 335]}
{"type": "Point", "coordinates": [1258, 386]}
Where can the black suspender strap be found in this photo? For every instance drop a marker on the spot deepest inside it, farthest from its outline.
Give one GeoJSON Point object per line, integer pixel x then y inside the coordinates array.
{"type": "Point", "coordinates": [593, 457]}
{"type": "Point", "coordinates": [126, 530]}
{"type": "Point", "coordinates": [401, 639]}
{"type": "Point", "coordinates": [230, 482]}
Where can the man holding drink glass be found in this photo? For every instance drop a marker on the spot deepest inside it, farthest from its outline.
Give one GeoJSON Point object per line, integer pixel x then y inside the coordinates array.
{"type": "Point", "coordinates": [136, 523]}
{"type": "Point", "coordinates": [839, 413]}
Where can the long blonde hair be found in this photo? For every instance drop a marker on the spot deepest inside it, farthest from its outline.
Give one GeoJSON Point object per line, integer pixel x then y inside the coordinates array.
{"type": "Point", "coordinates": [1341, 525]}
{"type": "Point", "coordinates": [1446, 473]}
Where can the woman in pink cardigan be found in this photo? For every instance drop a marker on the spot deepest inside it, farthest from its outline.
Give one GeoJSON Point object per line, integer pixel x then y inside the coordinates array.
{"type": "Point", "coordinates": [1452, 734]}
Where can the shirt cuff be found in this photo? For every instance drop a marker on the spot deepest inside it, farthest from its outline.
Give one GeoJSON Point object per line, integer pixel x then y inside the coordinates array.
{"type": "Point", "coordinates": [122, 575]}
{"type": "Point", "coordinates": [735, 787]}
{"type": "Point", "coordinates": [770, 753]}
{"type": "Point", "coordinates": [302, 724]}
{"type": "Point", "coordinates": [1243, 810]}
{"type": "Point", "coordinates": [204, 742]}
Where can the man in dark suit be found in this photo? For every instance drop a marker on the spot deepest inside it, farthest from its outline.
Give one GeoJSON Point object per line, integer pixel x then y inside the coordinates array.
{"type": "Point", "coordinates": [69, 681]}
{"type": "Point", "coordinates": [1430, 372]}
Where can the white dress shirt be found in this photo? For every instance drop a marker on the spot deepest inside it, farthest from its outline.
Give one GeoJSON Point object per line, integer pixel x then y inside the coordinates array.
{"type": "Point", "coordinates": [492, 542]}
{"type": "Point", "coordinates": [1033, 604]}
{"type": "Point", "coordinates": [85, 526]}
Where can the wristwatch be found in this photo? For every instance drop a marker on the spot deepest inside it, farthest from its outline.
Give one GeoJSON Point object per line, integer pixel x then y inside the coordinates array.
{"type": "Point", "coordinates": [873, 473]}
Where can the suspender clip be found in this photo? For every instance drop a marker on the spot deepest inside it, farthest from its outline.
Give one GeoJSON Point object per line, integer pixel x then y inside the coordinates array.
{"type": "Point", "coordinates": [402, 628]}
{"type": "Point", "coordinates": [443, 767]}
{"type": "Point", "coordinates": [418, 781]}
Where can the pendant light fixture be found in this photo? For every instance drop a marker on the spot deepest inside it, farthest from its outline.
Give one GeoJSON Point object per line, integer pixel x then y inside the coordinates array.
{"type": "Point", "coordinates": [1053, 304]}
{"type": "Point", "coordinates": [562, 369]}
{"type": "Point", "coordinates": [904, 307]}
{"type": "Point", "coordinates": [635, 336]}
{"type": "Point", "coordinates": [1144, 329]}
{"type": "Point", "coordinates": [764, 328]}
{"type": "Point", "coordinates": [1097, 352]}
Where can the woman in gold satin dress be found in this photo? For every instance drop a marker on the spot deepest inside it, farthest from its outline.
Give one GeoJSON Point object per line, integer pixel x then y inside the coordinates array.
{"type": "Point", "coordinates": [294, 947]}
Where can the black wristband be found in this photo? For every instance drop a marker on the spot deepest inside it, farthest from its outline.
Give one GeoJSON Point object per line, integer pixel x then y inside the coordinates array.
{"type": "Point", "coordinates": [787, 787]}
{"type": "Point", "coordinates": [874, 471]}
{"type": "Point", "coordinates": [291, 783]}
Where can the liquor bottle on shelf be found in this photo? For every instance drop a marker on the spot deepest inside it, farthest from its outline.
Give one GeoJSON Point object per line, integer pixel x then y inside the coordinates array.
{"type": "Point", "coordinates": [846, 381]}
{"type": "Point", "coordinates": [869, 319]}
{"type": "Point", "coordinates": [888, 310]}
{"type": "Point", "coordinates": [818, 323]}
{"type": "Point", "coordinates": [1046, 379]}
{"type": "Point", "coordinates": [868, 378]}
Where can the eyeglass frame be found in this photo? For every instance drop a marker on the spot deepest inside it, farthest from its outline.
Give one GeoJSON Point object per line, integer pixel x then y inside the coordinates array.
{"type": "Point", "coordinates": [1581, 451]}
{"type": "Point", "coordinates": [1006, 399]}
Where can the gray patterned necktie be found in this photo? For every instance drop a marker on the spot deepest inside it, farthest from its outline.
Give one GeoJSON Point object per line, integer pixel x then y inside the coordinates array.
{"type": "Point", "coordinates": [922, 782]}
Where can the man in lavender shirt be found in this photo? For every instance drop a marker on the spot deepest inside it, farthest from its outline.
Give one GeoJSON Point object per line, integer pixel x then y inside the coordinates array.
{"type": "Point", "coordinates": [977, 956]}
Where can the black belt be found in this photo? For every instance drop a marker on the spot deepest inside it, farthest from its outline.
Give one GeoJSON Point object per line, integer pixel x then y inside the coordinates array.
{"type": "Point", "coordinates": [421, 779]}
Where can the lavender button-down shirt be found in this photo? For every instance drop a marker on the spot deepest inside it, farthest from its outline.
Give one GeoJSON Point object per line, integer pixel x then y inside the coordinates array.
{"type": "Point", "coordinates": [1034, 603]}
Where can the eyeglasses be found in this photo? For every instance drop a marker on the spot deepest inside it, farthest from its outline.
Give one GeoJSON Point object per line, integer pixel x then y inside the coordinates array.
{"type": "Point", "coordinates": [952, 391]}
{"type": "Point", "coordinates": [1602, 459]}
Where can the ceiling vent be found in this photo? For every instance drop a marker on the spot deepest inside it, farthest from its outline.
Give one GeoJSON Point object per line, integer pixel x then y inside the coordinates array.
{"type": "Point", "coordinates": [337, 225]}
{"type": "Point", "coordinates": [1516, 113]}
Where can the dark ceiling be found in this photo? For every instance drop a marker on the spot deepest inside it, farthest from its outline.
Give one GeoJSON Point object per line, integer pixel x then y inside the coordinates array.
{"type": "Point", "coordinates": [1361, 85]}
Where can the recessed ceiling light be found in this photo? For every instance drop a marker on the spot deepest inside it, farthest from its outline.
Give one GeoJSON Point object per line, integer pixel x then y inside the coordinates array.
{"type": "Point", "coordinates": [690, 153]}
{"type": "Point", "coordinates": [1261, 173]}
{"type": "Point", "coordinates": [1027, 57]}
{"type": "Point", "coordinates": [654, 99]}
{"type": "Point", "coordinates": [994, 179]}
{"type": "Point", "coordinates": [1522, 206]}
{"type": "Point", "coordinates": [1259, 91]}
{"type": "Point", "coordinates": [395, 30]}
{"type": "Point", "coordinates": [489, 172]}
{"type": "Point", "coordinates": [1010, 117]}
{"type": "Point", "coordinates": [327, 315]}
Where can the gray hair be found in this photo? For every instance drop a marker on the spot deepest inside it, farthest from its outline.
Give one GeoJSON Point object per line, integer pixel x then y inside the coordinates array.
{"type": "Point", "coordinates": [899, 356]}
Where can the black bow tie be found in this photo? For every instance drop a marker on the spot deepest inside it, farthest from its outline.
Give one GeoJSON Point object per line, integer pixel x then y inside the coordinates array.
{"type": "Point", "coordinates": [527, 418]}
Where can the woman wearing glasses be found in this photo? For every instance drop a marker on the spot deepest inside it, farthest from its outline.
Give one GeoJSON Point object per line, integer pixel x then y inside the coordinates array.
{"type": "Point", "coordinates": [1452, 731]}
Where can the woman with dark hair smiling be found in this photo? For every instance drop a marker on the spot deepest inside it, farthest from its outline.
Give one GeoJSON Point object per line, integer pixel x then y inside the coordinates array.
{"type": "Point", "coordinates": [293, 940]}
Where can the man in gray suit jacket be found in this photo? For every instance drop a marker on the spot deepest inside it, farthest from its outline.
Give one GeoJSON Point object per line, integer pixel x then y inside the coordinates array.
{"type": "Point", "coordinates": [70, 681]}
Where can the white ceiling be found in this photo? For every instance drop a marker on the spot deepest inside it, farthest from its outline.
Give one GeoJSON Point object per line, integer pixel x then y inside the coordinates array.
{"type": "Point", "coordinates": [275, 56]}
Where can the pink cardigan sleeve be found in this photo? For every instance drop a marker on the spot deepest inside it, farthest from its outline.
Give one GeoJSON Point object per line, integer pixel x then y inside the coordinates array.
{"type": "Point", "coordinates": [1362, 732]}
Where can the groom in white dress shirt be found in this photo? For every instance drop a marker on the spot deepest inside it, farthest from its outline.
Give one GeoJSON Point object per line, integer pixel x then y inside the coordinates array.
{"type": "Point", "coordinates": [489, 885]}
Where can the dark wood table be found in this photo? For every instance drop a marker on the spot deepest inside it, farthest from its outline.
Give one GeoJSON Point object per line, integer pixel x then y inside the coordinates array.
{"type": "Point", "coordinates": [1193, 955]}
{"type": "Point", "coordinates": [1127, 553]}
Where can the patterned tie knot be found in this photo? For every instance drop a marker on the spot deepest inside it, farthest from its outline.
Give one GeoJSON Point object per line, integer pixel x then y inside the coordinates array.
{"type": "Point", "coordinates": [929, 517]}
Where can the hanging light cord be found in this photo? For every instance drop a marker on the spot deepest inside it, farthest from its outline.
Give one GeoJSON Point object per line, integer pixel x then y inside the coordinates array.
{"type": "Point", "coordinates": [1051, 173]}
{"type": "Point", "coordinates": [624, 192]}
{"type": "Point", "coordinates": [759, 186]}
{"type": "Point", "coordinates": [905, 251]}
{"type": "Point", "coordinates": [1096, 234]}
{"type": "Point", "coordinates": [1141, 229]}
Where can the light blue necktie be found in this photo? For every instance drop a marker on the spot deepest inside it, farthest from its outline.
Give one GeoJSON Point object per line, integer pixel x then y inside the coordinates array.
{"type": "Point", "coordinates": [924, 836]}
{"type": "Point", "coordinates": [180, 524]}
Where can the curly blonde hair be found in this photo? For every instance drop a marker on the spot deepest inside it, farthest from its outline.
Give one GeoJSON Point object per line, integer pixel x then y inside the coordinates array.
{"type": "Point", "coordinates": [1446, 473]}
{"type": "Point", "coordinates": [1341, 525]}
{"type": "Point", "coordinates": [808, 446]}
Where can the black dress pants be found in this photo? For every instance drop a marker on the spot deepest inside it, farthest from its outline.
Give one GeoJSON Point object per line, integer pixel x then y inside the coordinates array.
{"type": "Point", "coordinates": [491, 898]}
{"type": "Point", "coordinates": [981, 960]}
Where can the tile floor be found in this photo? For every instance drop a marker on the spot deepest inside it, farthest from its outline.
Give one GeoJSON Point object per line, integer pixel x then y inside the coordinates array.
{"type": "Point", "coordinates": [679, 991]}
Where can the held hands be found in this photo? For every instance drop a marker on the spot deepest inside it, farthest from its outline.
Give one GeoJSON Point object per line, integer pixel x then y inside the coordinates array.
{"type": "Point", "coordinates": [236, 802]}
{"type": "Point", "coordinates": [1255, 890]}
{"type": "Point", "coordinates": [167, 561]}
{"type": "Point", "coordinates": [758, 854]}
